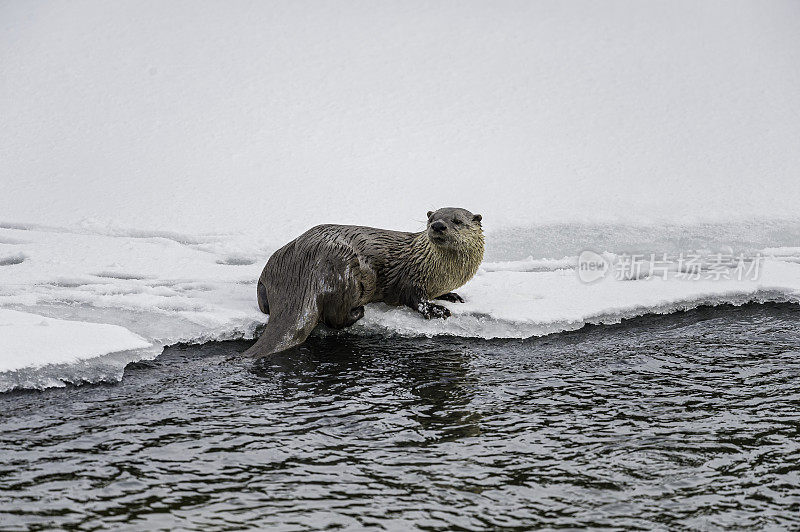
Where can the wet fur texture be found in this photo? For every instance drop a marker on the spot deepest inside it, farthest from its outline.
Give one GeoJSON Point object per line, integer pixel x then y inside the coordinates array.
{"type": "Point", "coordinates": [330, 272]}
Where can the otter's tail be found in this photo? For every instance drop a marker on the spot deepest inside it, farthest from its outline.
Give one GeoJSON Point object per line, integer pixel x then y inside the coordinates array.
{"type": "Point", "coordinates": [285, 292]}
{"type": "Point", "coordinates": [285, 329]}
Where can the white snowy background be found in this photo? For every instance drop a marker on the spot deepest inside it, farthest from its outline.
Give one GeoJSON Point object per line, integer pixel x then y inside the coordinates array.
{"type": "Point", "coordinates": [154, 153]}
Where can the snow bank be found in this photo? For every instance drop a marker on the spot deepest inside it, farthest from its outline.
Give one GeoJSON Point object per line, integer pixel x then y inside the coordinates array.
{"type": "Point", "coordinates": [30, 340]}
{"type": "Point", "coordinates": [40, 352]}
{"type": "Point", "coordinates": [134, 293]}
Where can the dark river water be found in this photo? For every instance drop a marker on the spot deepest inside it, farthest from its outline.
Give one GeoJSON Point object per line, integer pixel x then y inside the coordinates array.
{"type": "Point", "coordinates": [665, 422]}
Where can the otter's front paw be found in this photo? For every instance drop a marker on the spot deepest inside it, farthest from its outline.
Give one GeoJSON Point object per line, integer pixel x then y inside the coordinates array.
{"type": "Point", "coordinates": [452, 297]}
{"type": "Point", "coordinates": [432, 310]}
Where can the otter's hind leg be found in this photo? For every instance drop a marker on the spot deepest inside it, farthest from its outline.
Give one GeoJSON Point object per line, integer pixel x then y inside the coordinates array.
{"type": "Point", "coordinates": [355, 314]}
{"type": "Point", "coordinates": [342, 303]}
{"type": "Point", "coordinates": [345, 319]}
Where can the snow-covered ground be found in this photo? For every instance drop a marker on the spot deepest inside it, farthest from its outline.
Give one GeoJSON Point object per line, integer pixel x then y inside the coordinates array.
{"type": "Point", "coordinates": [86, 302]}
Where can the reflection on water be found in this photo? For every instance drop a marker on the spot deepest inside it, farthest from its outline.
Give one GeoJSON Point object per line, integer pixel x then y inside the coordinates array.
{"type": "Point", "coordinates": [689, 420]}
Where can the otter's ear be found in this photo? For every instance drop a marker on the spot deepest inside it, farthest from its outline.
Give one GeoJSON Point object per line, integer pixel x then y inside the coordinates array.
{"type": "Point", "coordinates": [430, 213]}
{"type": "Point", "coordinates": [477, 218]}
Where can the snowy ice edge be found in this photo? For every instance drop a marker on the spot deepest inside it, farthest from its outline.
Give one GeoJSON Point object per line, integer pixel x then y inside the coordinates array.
{"type": "Point", "coordinates": [482, 327]}
{"type": "Point", "coordinates": [104, 368]}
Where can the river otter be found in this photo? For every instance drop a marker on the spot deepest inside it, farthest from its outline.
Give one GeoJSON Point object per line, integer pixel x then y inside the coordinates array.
{"type": "Point", "coordinates": [330, 272]}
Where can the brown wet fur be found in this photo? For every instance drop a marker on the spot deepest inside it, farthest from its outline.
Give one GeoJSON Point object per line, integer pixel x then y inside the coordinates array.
{"type": "Point", "coordinates": [330, 272]}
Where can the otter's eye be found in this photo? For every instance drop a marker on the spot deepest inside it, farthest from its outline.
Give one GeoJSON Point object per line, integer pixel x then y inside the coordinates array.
{"type": "Point", "coordinates": [456, 221]}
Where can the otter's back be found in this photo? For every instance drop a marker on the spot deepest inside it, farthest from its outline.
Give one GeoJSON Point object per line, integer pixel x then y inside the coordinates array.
{"type": "Point", "coordinates": [374, 245]}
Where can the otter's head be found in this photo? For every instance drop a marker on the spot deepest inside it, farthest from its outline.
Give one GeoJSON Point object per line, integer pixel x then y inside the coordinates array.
{"type": "Point", "coordinates": [453, 228]}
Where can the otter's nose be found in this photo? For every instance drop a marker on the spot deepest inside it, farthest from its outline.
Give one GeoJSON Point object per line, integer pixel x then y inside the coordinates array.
{"type": "Point", "coordinates": [439, 227]}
